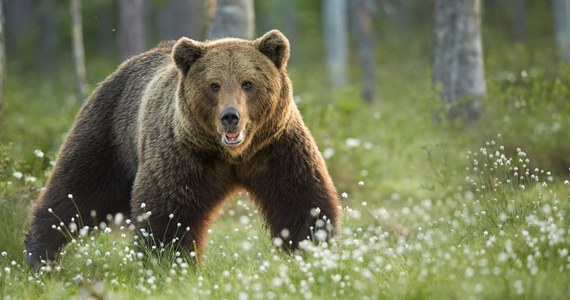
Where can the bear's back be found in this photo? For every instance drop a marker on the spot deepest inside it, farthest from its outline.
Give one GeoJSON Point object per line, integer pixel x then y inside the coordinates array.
{"type": "Point", "coordinates": [114, 105]}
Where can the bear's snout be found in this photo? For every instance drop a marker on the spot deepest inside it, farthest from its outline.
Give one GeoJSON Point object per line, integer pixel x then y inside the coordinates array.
{"type": "Point", "coordinates": [232, 133]}
{"type": "Point", "coordinates": [230, 119]}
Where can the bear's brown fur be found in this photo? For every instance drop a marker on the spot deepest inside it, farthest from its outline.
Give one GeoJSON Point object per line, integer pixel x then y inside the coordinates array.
{"type": "Point", "coordinates": [181, 128]}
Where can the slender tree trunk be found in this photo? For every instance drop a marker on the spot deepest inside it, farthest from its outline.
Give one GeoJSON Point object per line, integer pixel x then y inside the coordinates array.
{"type": "Point", "coordinates": [2, 56]}
{"type": "Point", "coordinates": [187, 17]}
{"type": "Point", "coordinates": [336, 47]}
{"type": "Point", "coordinates": [562, 26]}
{"type": "Point", "coordinates": [458, 57]}
{"type": "Point", "coordinates": [180, 18]}
{"type": "Point", "coordinates": [48, 37]}
{"type": "Point", "coordinates": [280, 14]}
{"type": "Point", "coordinates": [106, 36]}
{"type": "Point", "coordinates": [519, 19]}
{"type": "Point", "coordinates": [132, 38]}
{"type": "Point", "coordinates": [362, 24]}
{"type": "Point", "coordinates": [78, 52]}
{"type": "Point", "coordinates": [290, 26]}
{"type": "Point", "coordinates": [22, 17]}
{"type": "Point", "coordinates": [232, 18]}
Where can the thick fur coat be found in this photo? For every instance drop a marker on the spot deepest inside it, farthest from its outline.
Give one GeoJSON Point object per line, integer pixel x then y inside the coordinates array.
{"type": "Point", "coordinates": [181, 128]}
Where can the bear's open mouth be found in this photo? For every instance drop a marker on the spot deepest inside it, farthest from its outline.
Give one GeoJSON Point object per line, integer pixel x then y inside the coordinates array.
{"type": "Point", "coordinates": [232, 138]}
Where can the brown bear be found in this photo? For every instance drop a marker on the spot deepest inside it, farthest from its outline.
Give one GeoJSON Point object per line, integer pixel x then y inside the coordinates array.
{"type": "Point", "coordinates": [174, 132]}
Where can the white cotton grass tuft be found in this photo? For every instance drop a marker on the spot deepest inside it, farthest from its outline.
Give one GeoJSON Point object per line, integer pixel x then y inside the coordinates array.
{"type": "Point", "coordinates": [328, 153]}
{"type": "Point", "coordinates": [38, 153]}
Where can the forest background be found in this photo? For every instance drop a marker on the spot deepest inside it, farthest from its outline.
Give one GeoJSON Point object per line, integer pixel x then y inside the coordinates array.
{"type": "Point", "coordinates": [436, 204]}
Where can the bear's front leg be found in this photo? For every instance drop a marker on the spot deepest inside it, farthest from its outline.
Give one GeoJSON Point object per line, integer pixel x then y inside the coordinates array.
{"type": "Point", "coordinates": [290, 183]}
{"type": "Point", "coordinates": [174, 204]}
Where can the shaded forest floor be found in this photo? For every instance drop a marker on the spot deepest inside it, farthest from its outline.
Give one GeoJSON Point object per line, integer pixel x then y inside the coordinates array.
{"type": "Point", "coordinates": [432, 208]}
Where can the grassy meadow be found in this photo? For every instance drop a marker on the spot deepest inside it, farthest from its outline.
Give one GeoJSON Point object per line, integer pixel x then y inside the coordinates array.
{"type": "Point", "coordinates": [432, 209]}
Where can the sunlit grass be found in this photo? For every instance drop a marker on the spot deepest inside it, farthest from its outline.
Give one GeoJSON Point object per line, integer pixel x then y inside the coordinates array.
{"type": "Point", "coordinates": [503, 233]}
{"type": "Point", "coordinates": [431, 209]}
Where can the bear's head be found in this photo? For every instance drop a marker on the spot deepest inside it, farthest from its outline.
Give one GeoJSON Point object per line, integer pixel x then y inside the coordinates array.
{"type": "Point", "coordinates": [236, 92]}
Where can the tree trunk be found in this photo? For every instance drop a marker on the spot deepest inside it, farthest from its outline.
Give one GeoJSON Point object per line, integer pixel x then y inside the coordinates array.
{"type": "Point", "coordinates": [105, 32]}
{"type": "Point", "coordinates": [187, 18]}
{"type": "Point", "coordinates": [290, 26]}
{"type": "Point", "coordinates": [132, 39]}
{"type": "Point", "coordinates": [519, 20]}
{"type": "Point", "coordinates": [458, 57]}
{"type": "Point", "coordinates": [364, 29]}
{"type": "Point", "coordinates": [336, 48]}
{"type": "Point", "coordinates": [48, 37]}
{"type": "Point", "coordinates": [281, 14]}
{"type": "Point", "coordinates": [232, 18]}
{"type": "Point", "coordinates": [180, 18]}
{"type": "Point", "coordinates": [22, 17]}
{"type": "Point", "coordinates": [2, 56]}
{"type": "Point", "coordinates": [562, 26]}
{"type": "Point", "coordinates": [78, 52]}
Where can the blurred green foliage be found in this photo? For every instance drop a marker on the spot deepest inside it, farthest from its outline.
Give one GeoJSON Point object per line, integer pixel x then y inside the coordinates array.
{"type": "Point", "coordinates": [394, 155]}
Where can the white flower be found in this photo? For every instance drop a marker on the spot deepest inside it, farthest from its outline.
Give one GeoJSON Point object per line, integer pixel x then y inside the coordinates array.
{"type": "Point", "coordinates": [277, 242]}
{"type": "Point", "coordinates": [38, 153]}
{"type": "Point", "coordinates": [18, 175]}
{"type": "Point", "coordinates": [352, 142]}
{"type": "Point", "coordinates": [246, 246]}
{"type": "Point", "coordinates": [77, 278]}
{"type": "Point", "coordinates": [328, 152]}
{"type": "Point", "coordinates": [119, 218]}
{"type": "Point", "coordinates": [321, 235]}
{"type": "Point", "coordinates": [315, 211]}
{"type": "Point", "coordinates": [244, 220]}
{"type": "Point", "coordinates": [83, 231]}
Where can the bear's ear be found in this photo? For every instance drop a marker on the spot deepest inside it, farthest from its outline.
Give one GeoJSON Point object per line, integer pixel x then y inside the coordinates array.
{"type": "Point", "coordinates": [275, 46]}
{"type": "Point", "coordinates": [186, 52]}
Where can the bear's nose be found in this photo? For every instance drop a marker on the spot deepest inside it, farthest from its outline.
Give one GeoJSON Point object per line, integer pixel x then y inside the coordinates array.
{"type": "Point", "coordinates": [230, 118]}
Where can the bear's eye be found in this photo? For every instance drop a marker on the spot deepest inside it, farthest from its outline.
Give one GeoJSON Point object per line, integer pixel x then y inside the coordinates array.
{"type": "Point", "coordinates": [246, 85]}
{"type": "Point", "coordinates": [214, 87]}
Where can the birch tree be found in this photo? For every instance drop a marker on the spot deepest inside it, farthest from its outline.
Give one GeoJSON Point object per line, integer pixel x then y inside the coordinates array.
{"type": "Point", "coordinates": [361, 20]}
{"type": "Point", "coordinates": [78, 51]}
{"type": "Point", "coordinates": [232, 18]}
{"type": "Point", "coordinates": [336, 47]}
{"type": "Point", "coordinates": [458, 57]}
{"type": "Point", "coordinates": [132, 38]}
{"type": "Point", "coordinates": [562, 27]}
{"type": "Point", "coordinates": [2, 56]}
{"type": "Point", "coordinates": [519, 19]}
{"type": "Point", "coordinates": [180, 18]}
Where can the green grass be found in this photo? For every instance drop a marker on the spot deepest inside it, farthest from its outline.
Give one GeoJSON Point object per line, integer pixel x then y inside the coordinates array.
{"type": "Point", "coordinates": [431, 209]}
